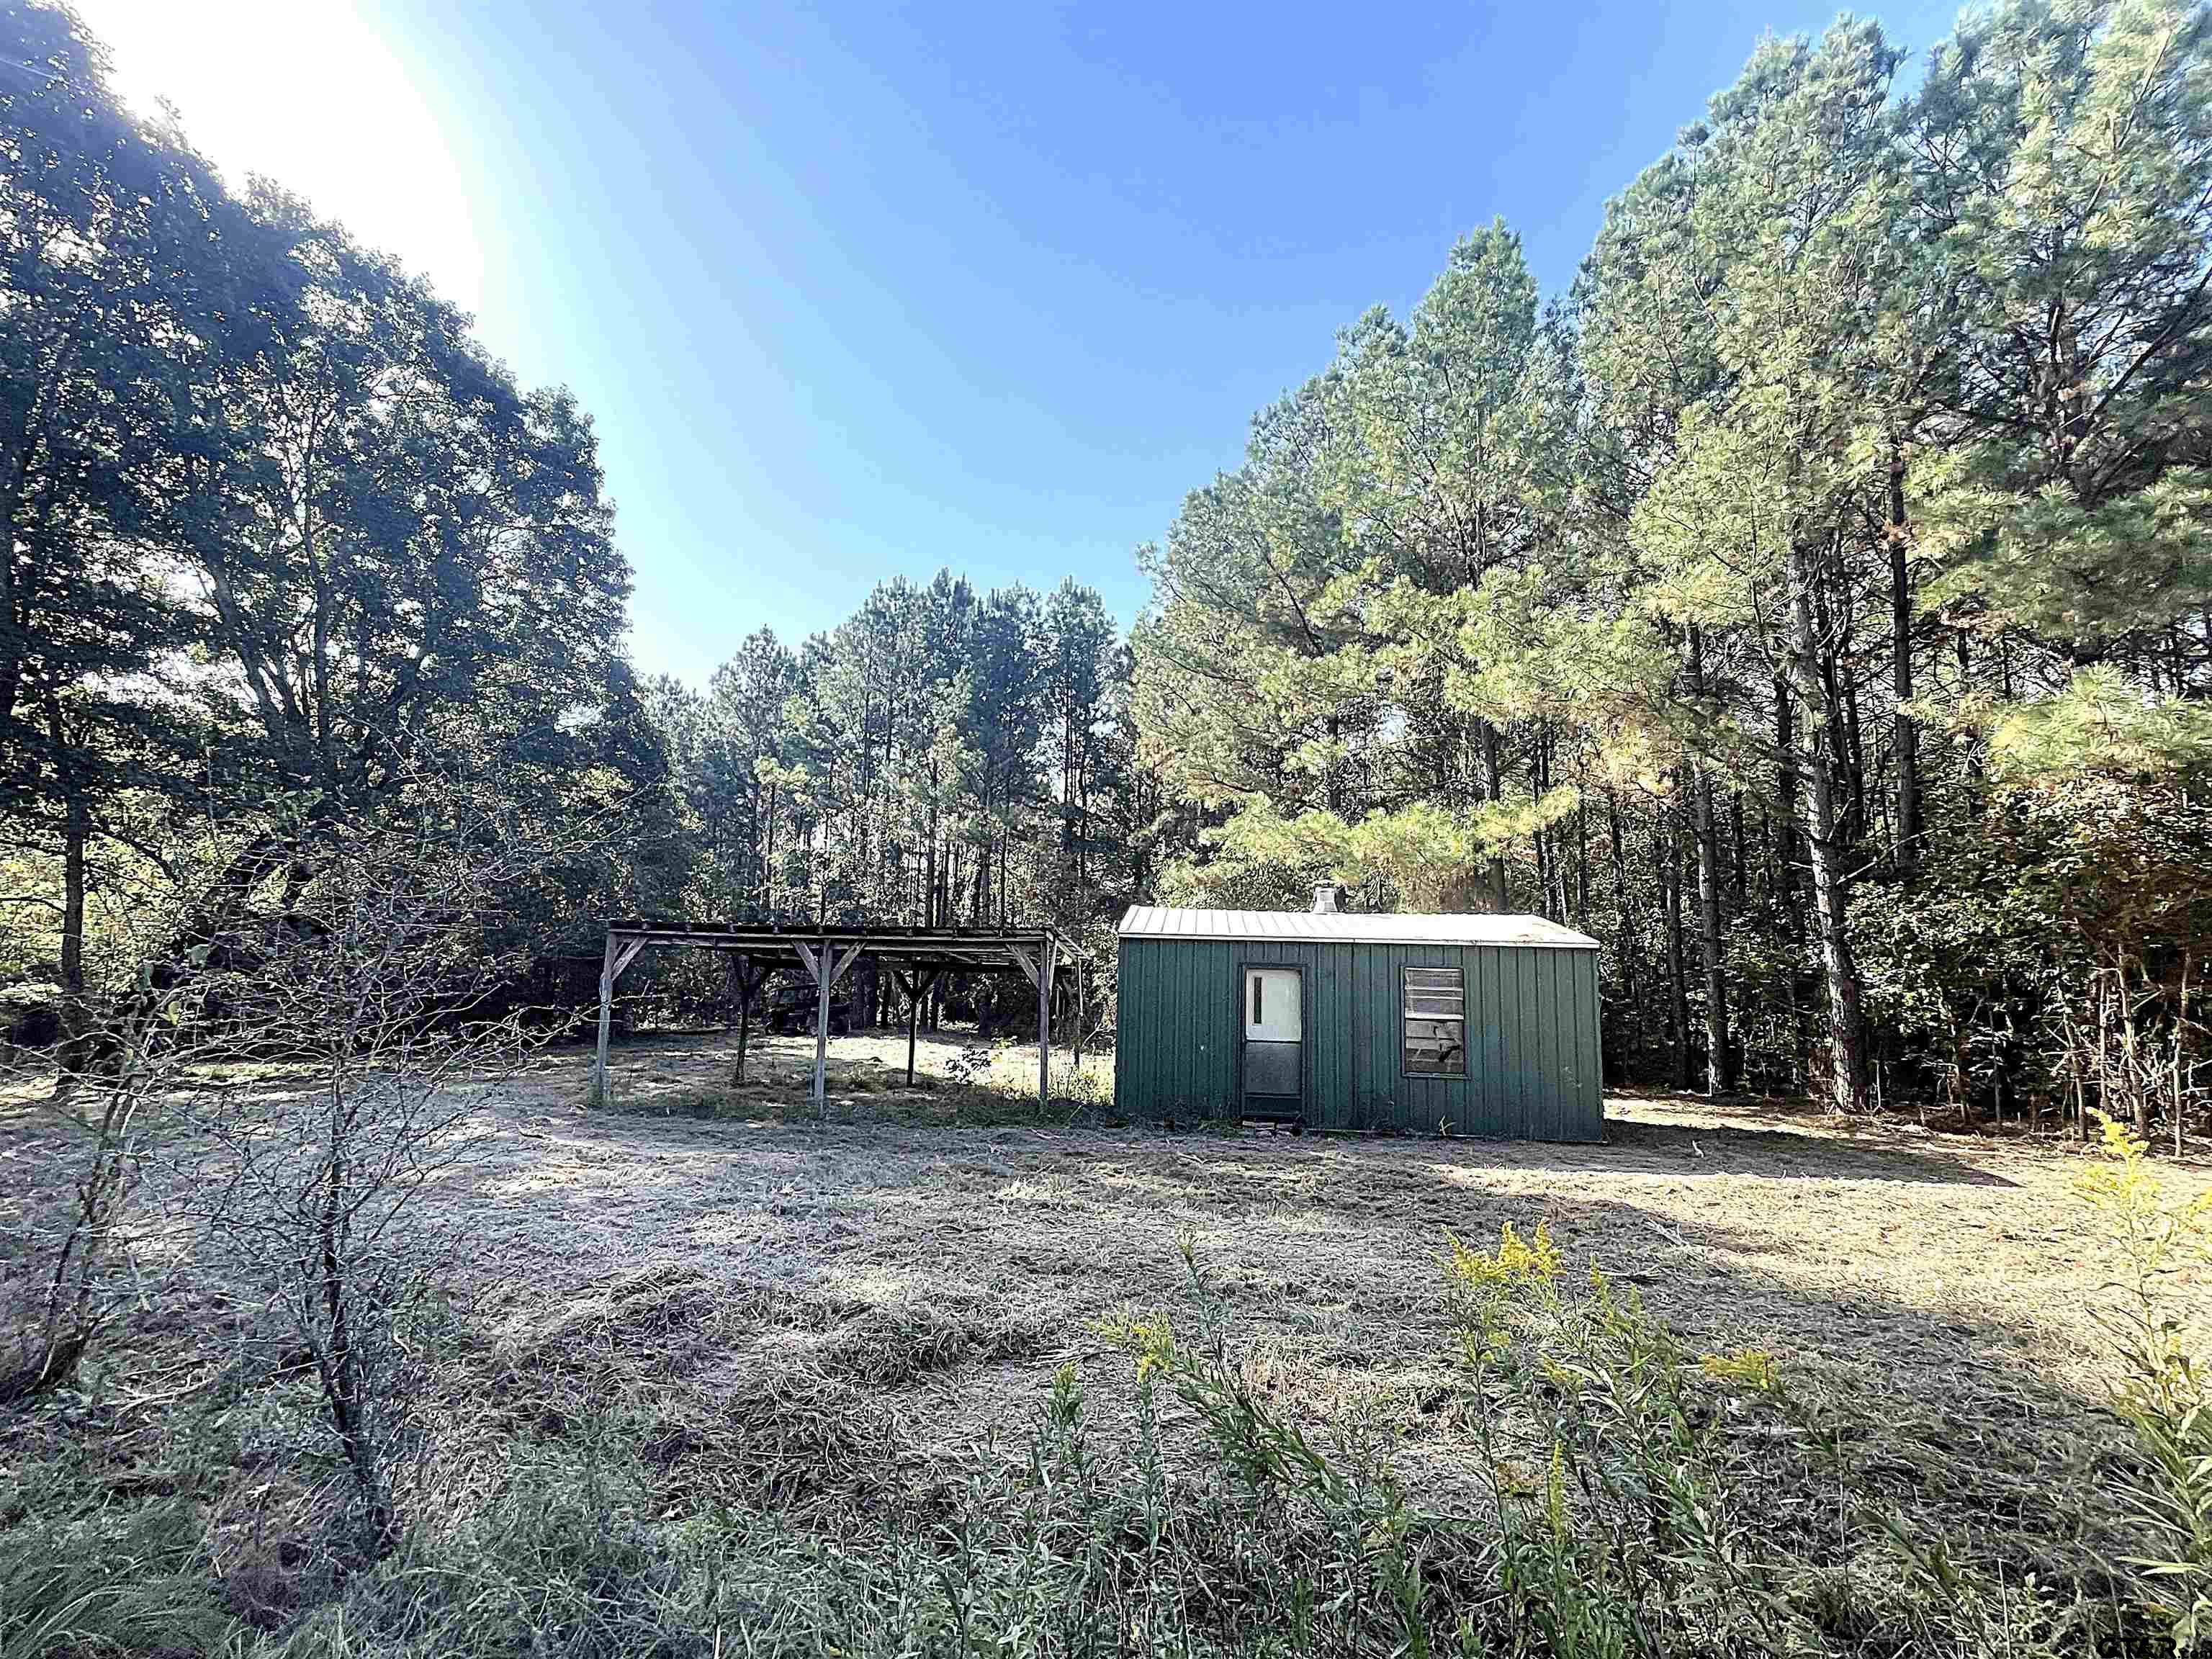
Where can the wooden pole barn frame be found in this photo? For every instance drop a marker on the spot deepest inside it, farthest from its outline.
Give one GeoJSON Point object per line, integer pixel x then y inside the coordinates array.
{"type": "Point", "coordinates": [915, 955]}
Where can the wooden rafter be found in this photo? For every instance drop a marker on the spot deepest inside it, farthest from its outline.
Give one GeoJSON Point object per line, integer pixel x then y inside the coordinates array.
{"type": "Point", "coordinates": [826, 954]}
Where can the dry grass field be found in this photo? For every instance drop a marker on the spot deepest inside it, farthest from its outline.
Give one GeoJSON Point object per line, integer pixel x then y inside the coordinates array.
{"type": "Point", "coordinates": [832, 1316]}
{"type": "Point", "coordinates": [1947, 1279]}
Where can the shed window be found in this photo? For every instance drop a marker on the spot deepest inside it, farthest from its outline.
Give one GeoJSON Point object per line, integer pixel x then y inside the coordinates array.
{"type": "Point", "coordinates": [1435, 1002]}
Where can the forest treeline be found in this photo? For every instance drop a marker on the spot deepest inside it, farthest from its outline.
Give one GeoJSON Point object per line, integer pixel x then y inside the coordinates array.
{"type": "Point", "coordinates": [281, 541]}
{"type": "Point", "coordinates": [941, 758]}
{"type": "Point", "coordinates": [1811, 602]}
{"type": "Point", "coordinates": [290, 553]}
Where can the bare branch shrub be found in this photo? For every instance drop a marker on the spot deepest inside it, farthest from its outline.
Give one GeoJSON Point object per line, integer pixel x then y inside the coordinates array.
{"type": "Point", "coordinates": [64, 1270]}
{"type": "Point", "coordinates": [372, 1020]}
{"type": "Point", "coordinates": [263, 1102]}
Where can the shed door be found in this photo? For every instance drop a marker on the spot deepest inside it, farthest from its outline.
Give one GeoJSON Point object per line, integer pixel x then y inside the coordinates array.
{"type": "Point", "coordinates": [1274, 1031]}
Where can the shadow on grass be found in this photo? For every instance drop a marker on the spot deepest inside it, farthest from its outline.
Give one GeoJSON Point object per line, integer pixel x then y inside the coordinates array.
{"type": "Point", "coordinates": [958, 1084]}
{"type": "Point", "coordinates": [1783, 1153]}
{"type": "Point", "coordinates": [1630, 1147]}
{"type": "Point", "coordinates": [1953, 1417]}
{"type": "Point", "coordinates": [664, 1079]}
{"type": "Point", "coordinates": [886, 1103]}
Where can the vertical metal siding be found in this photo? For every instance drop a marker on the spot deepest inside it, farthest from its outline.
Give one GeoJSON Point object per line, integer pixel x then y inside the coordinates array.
{"type": "Point", "coordinates": [1590, 1098]}
{"type": "Point", "coordinates": [1325, 1039]}
{"type": "Point", "coordinates": [1529, 1032]}
{"type": "Point", "coordinates": [1361, 1024]}
{"type": "Point", "coordinates": [1330, 1031]}
{"type": "Point", "coordinates": [1532, 1035]}
{"type": "Point", "coordinates": [1552, 1025]}
{"type": "Point", "coordinates": [1590, 1125]}
{"type": "Point", "coordinates": [1539, 1015]}
{"type": "Point", "coordinates": [1483, 1047]}
{"type": "Point", "coordinates": [1564, 982]}
{"type": "Point", "coordinates": [1579, 1123]}
{"type": "Point", "coordinates": [1182, 1057]}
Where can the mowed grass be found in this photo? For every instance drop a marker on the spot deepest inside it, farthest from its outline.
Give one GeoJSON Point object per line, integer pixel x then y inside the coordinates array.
{"type": "Point", "coordinates": [958, 1078]}
{"type": "Point", "coordinates": [707, 1309]}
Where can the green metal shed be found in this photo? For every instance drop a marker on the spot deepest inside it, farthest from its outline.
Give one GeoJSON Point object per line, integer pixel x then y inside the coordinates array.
{"type": "Point", "coordinates": [1474, 1024]}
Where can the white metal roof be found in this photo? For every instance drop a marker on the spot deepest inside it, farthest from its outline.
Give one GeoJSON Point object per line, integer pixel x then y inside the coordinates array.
{"type": "Point", "coordinates": [1313, 926]}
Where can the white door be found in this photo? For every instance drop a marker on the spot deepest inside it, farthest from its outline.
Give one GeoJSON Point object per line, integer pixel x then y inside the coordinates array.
{"type": "Point", "coordinates": [1274, 1028]}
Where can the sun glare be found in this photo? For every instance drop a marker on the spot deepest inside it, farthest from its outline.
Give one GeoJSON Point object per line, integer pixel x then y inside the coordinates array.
{"type": "Point", "coordinates": [318, 95]}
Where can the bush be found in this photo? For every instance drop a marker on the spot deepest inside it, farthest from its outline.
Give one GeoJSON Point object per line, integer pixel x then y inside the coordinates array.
{"type": "Point", "coordinates": [2159, 1390]}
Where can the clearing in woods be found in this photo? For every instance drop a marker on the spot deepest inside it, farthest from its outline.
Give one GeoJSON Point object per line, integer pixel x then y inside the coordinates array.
{"type": "Point", "coordinates": [910, 1283]}
{"type": "Point", "coordinates": [822, 1313]}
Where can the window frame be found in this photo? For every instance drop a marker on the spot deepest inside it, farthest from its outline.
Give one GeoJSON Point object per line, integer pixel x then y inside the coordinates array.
{"type": "Point", "coordinates": [1404, 1014]}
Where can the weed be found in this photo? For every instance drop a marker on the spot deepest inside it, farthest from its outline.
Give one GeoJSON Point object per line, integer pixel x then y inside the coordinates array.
{"type": "Point", "coordinates": [2159, 1390]}
{"type": "Point", "coordinates": [138, 1580]}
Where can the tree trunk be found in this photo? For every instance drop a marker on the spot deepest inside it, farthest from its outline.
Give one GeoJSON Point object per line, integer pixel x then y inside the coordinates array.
{"type": "Point", "coordinates": [1737, 860]}
{"type": "Point", "coordinates": [1720, 1060]}
{"type": "Point", "coordinates": [929, 890]}
{"type": "Point", "coordinates": [1720, 1065]}
{"type": "Point", "coordinates": [1625, 925]}
{"type": "Point", "coordinates": [744, 982]}
{"type": "Point", "coordinates": [1789, 914]}
{"type": "Point", "coordinates": [1785, 803]}
{"type": "Point", "coordinates": [1582, 865]}
{"type": "Point", "coordinates": [76, 1021]}
{"type": "Point", "coordinates": [1551, 870]}
{"type": "Point", "coordinates": [1831, 872]}
{"type": "Point", "coordinates": [1900, 628]}
{"type": "Point", "coordinates": [1494, 785]}
{"type": "Point", "coordinates": [1858, 817]}
{"type": "Point", "coordinates": [1666, 849]}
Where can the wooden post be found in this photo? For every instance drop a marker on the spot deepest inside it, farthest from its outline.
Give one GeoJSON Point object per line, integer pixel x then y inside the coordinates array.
{"type": "Point", "coordinates": [916, 986]}
{"type": "Point", "coordinates": [822, 1032]}
{"type": "Point", "coordinates": [598, 1095]}
{"type": "Point", "coordinates": [1044, 1021]}
{"type": "Point", "coordinates": [911, 984]}
{"type": "Point", "coordinates": [1080, 1011]}
{"type": "Point", "coordinates": [745, 1030]}
{"type": "Point", "coordinates": [817, 964]}
{"type": "Point", "coordinates": [611, 967]}
{"type": "Point", "coordinates": [827, 967]}
{"type": "Point", "coordinates": [747, 982]}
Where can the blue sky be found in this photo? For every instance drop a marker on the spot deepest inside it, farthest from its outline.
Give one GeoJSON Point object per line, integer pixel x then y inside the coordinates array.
{"type": "Point", "coordinates": [853, 291]}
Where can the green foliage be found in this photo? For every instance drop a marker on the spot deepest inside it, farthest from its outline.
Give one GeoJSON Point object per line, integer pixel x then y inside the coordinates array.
{"type": "Point", "coordinates": [132, 1582]}
{"type": "Point", "coordinates": [2160, 1388]}
{"type": "Point", "coordinates": [1811, 603]}
{"type": "Point", "coordinates": [2072, 509]}
{"type": "Point", "coordinates": [939, 757]}
{"type": "Point", "coordinates": [1840, 534]}
{"type": "Point", "coordinates": [1620, 1525]}
{"type": "Point", "coordinates": [2101, 727]}
{"type": "Point", "coordinates": [560, 1559]}
{"type": "Point", "coordinates": [279, 532]}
